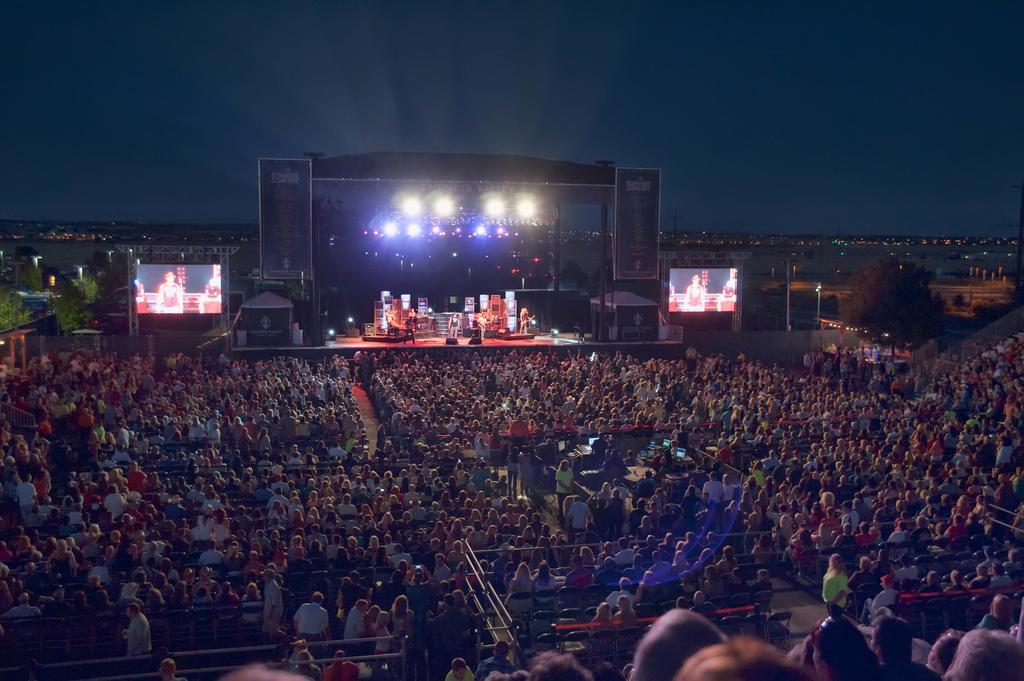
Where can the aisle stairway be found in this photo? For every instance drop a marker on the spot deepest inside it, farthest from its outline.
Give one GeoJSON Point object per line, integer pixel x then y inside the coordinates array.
{"type": "Point", "coordinates": [366, 413]}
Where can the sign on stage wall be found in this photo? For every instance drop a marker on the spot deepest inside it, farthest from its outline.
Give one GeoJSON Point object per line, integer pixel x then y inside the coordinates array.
{"type": "Point", "coordinates": [637, 223]}
{"type": "Point", "coordinates": [286, 220]}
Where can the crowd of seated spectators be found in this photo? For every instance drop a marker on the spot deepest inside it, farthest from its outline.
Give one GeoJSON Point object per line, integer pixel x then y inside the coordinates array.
{"type": "Point", "coordinates": [244, 498]}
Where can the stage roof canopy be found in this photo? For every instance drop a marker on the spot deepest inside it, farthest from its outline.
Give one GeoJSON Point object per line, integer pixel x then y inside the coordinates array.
{"type": "Point", "coordinates": [372, 180]}
{"type": "Point", "coordinates": [437, 167]}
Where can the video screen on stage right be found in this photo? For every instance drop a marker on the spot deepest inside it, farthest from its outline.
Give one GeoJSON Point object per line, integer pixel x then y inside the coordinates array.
{"type": "Point", "coordinates": [702, 289]}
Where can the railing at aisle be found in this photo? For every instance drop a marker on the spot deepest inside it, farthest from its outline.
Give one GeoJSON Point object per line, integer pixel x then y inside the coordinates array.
{"type": "Point", "coordinates": [503, 629]}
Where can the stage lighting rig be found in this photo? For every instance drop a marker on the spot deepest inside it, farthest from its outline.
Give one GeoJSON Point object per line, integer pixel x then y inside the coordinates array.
{"type": "Point", "coordinates": [526, 207]}
{"type": "Point", "coordinates": [494, 207]}
{"type": "Point", "coordinates": [444, 206]}
{"type": "Point", "coordinates": [412, 206]}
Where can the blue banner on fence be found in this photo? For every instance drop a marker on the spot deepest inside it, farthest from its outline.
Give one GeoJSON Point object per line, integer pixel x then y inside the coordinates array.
{"type": "Point", "coordinates": [637, 223]}
{"type": "Point", "coordinates": [286, 204]}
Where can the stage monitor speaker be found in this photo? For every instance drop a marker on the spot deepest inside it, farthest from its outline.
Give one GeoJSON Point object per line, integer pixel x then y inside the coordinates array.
{"type": "Point", "coordinates": [476, 340]}
{"type": "Point", "coordinates": [451, 341]}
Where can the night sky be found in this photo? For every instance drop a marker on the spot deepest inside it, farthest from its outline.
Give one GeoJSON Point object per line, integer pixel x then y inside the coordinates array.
{"type": "Point", "coordinates": [877, 117]}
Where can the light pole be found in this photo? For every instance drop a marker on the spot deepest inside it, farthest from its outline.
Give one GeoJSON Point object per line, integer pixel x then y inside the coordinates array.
{"type": "Point", "coordinates": [817, 290]}
{"type": "Point", "coordinates": [789, 325]}
{"type": "Point", "coordinates": [1019, 291]}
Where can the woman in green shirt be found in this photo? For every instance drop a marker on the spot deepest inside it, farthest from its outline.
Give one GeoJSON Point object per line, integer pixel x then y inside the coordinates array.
{"type": "Point", "coordinates": [563, 484]}
{"type": "Point", "coordinates": [833, 587]}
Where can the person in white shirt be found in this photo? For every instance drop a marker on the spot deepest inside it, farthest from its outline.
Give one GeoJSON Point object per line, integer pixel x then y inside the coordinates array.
{"type": "Point", "coordinates": [273, 602]}
{"type": "Point", "coordinates": [26, 492]}
{"type": "Point", "coordinates": [23, 608]}
{"type": "Point", "coordinates": [624, 556]}
{"type": "Point", "coordinates": [887, 598]}
{"type": "Point", "coordinates": [311, 621]}
{"type": "Point", "coordinates": [714, 489]}
{"type": "Point", "coordinates": [115, 503]}
{"type": "Point", "coordinates": [399, 555]}
{"type": "Point", "coordinates": [623, 590]}
{"type": "Point", "coordinates": [354, 621]}
{"type": "Point", "coordinates": [578, 515]}
{"type": "Point", "coordinates": [211, 556]}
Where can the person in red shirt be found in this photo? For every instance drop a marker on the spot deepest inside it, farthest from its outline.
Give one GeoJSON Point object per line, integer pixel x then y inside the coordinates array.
{"type": "Point", "coordinates": [137, 479]}
{"type": "Point", "coordinates": [341, 669]}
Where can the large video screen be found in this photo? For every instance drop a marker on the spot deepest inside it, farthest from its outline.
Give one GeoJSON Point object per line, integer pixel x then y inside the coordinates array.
{"type": "Point", "coordinates": [178, 289]}
{"type": "Point", "coordinates": [702, 290]}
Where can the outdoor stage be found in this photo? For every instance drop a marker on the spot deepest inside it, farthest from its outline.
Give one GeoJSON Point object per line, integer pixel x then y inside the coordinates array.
{"type": "Point", "coordinates": [540, 340]}
{"type": "Point", "coordinates": [559, 343]}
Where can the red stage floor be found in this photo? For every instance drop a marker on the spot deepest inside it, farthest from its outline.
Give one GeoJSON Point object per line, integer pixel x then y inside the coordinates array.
{"type": "Point", "coordinates": [351, 345]}
{"type": "Point", "coordinates": [536, 341]}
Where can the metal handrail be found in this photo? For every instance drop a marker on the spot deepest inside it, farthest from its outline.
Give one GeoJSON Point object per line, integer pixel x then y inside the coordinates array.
{"type": "Point", "coordinates": [231, 668]}
{"type": "Point", "coordinates": [19, 418]}
{"type": "Point", "coordinates": [340, 643]}
{"type": "Point", "coordinates": [506, 628]}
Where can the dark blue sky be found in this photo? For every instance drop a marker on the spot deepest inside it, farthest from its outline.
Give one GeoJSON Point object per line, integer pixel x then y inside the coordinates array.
{"type": "Point", "coordinates": [766, 116]}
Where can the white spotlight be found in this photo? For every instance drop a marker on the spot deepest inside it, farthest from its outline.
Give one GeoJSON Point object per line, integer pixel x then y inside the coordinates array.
{"type": "Point", "coordinates": [495, 207]}
{"type": "Point", "coordinates": [411, 206]}
{"type": "Point", "coordinates": [526, 208]}
{"type": "Point", "coordinates": [444, 206]}
{"type": "Point", "coordinates": [413, 229]}
{"type": "Point", "coordinates": [435, 230]}
{"type": "Point", "coordinates": [390, 229]}
{"type": "Point", "coordinates": [480, 230]}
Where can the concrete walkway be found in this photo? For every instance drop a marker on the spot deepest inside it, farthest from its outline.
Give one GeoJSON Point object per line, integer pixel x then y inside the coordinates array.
{"type": "Point", "coordinates": [366, 413]}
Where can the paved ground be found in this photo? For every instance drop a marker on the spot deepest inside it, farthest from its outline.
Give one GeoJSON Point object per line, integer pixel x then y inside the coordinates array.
{"type": "Point", "coordinates": [369, 417]}
{"type": "Point", "coordinates": [799, 599]}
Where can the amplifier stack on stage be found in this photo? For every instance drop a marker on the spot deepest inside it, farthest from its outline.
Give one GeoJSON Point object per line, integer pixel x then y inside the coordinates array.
{"type": "Point", "coordinates": [395, 320]}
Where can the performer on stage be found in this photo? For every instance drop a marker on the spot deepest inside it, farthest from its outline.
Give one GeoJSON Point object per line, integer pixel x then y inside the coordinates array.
{"type": "Point", "coordinates": [454, 325]}
{"type": "Point", "coordinates": [524, 320]}
{"type": "Point", "coordinates": [392, 320]}
{"type": "Point", "coordinates": [410, 327]}
{"type": "Point", "coordinates": [170, 297]}
{"type": "Point", "coordinates": [693, 299]}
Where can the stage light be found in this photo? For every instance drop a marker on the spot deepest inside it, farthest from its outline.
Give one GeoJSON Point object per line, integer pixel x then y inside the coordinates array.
{"type": "Point", "coordinates": [526, 207]}
{"type": "Point", "coordinates": [444, 206]}
{"type": "Point", "coordinates": [501, 231]}
{"type": "Point", "coordinates": [494, 207]}
{"type": "Point", "coordinates": [413, 230]}
{"type": "Point", "coordinates": [390, 229]}
{"type": "Point", "coordinates": [454, 254]}
{"type": "Point", "coordinates": [411, 206]}
{"type": "Point", "coordinates": [430, 310]}
{"type": "Point", "coordinates": [350, 320]}
{"type": "Point", "coordinates": [331, 334]}
{"type": "Point", "coordinates": [554, 332]}
{"type": "Point", "coordinates": [435, 230]}
{"type": "Point", "coordinates": [480, 230]}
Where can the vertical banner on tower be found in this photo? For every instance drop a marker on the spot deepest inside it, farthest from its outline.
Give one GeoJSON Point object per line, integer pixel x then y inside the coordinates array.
{"type": "Point", "coordinates": [637, 223]}
{"type": "Point", "coordinates": [286, 218]}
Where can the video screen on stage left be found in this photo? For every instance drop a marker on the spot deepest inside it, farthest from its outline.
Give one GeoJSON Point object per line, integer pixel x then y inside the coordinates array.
{"type": "Point", "coordinates": [178, 289]}
{"type": "Point", "coordinates": [702, 289]}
